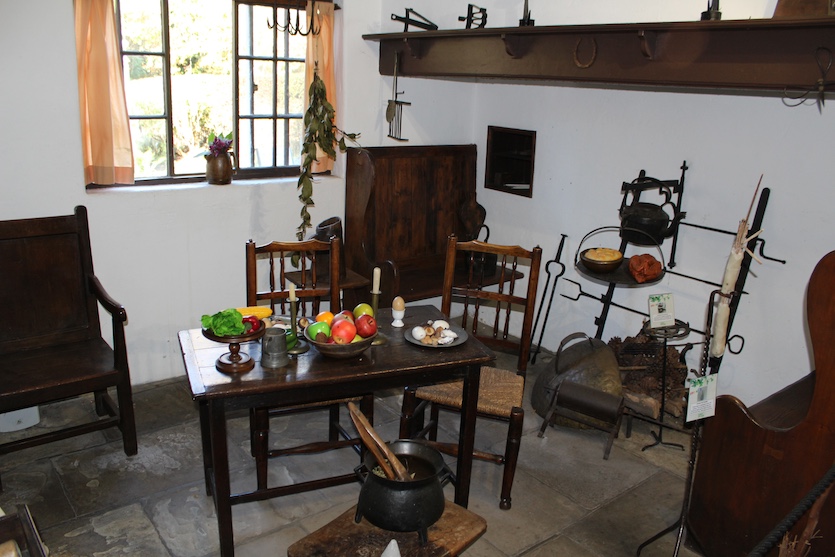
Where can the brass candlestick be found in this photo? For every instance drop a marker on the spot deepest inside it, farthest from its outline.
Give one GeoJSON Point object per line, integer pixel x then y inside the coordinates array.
{"type": "Point", "coordinates": [301, 346]}
{"type": "Point", "coordinates": [380, 338]}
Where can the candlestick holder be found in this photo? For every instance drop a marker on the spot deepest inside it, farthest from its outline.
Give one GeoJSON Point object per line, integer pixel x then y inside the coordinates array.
{"type": "Point", "coordinates": [301, 346]}
{"type": "Point", "coordinates": [380, 338]}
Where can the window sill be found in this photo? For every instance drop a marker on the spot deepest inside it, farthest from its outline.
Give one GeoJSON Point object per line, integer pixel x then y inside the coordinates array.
{"type": "Point", "coordinates": [244, 183]}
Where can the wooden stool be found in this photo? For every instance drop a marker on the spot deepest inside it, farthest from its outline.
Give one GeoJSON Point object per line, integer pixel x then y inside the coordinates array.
{"type": "Point", "coordinates": [454, 532]}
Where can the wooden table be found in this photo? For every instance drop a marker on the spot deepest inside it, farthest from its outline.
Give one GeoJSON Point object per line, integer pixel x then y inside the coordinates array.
{"type": "Point", "coordinates": [454, 532]}
{"type": "Point", "coordinates": [310, 377]}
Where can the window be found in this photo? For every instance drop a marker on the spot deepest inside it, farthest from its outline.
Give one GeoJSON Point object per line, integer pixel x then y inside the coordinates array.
{"type": "Point", "coordinates": [197, 67]}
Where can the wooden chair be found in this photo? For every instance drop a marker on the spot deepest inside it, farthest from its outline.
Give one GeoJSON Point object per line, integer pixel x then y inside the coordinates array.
{"type": "Point", "coordinates": [501, 392]}
{"type": "Point", "coordinates": [312, 288]}
{"type": "Point", "coordinates": [51, 346]}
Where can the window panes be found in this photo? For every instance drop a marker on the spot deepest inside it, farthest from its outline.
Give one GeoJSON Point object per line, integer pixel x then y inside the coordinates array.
{"type": "Point", "coordinates": [264, 142]}
{"type": "Point", "coordinates": [141, 25]}
{"type": "Point", "coordinates": [149, 139]}
{"type": "Point", "coordinates": [181, 79]}
{"type": "Point", "coordinates": [144, 85]}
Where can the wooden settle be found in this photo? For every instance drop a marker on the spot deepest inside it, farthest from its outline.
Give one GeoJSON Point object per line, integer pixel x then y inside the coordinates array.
{"type": "Point", "coordinates": [401, 204]}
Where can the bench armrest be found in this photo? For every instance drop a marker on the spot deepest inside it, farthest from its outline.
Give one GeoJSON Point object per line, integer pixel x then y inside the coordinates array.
{"type": "Point", "coordinates": [113, 307]}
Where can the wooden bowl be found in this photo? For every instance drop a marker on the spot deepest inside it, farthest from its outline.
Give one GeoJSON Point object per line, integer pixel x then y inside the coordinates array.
{"type": "Point", "coordinates": [340, 351]}
{"type": "Point", "coordinates": [600, 266]}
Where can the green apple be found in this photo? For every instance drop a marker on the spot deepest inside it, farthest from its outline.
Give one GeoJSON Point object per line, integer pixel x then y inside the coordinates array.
{"type": "Point", "coordinates": [363, 309]}
{"type": "Point", "coordinates": [318, 327]}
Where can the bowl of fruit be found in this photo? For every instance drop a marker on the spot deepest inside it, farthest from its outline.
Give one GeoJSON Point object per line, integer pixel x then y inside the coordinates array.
{"type": "Point", "coordinates": [345, 335]}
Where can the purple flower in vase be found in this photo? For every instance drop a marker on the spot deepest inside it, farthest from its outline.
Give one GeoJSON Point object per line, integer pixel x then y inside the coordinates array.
{"type": "Point", "coordinates": [219, 146]}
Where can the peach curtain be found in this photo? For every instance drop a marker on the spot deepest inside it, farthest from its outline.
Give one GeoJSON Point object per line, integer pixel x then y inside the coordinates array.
{"type": "Point", "coordinates": [320, 54]}
{"type": "Point", "coordinates": [105, 128]}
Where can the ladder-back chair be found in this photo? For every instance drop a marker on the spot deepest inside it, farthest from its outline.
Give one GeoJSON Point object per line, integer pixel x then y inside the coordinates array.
{"type": "Point", "coordinates": [501, 391]}
{"type": "Point", "coordinates": [316, 280]}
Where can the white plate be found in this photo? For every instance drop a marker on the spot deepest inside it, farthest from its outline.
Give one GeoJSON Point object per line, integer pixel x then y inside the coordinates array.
{"type": "Point", "coordinates": [462, 338]}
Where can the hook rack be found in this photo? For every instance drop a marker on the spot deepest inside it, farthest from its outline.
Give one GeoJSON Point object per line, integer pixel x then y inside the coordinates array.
{"type": "Point", "coordinates": [288, 26]}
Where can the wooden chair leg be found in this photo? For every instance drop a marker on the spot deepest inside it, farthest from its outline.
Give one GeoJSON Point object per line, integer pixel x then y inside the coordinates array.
{"type": "Point", "coordinates": [127, 418]}
{"type": "Point", "coordinates": [410, 423]}
{"type": "Point", "coordinates": [100, 405]}
{"type": "Point", "coordinates": [514, 440]}
{"type": "Point", "coordinates": [434, 417]}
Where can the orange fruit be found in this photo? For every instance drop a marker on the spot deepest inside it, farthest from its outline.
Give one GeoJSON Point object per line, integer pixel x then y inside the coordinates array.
{"type": "Point", "coordinates": [325, 316]}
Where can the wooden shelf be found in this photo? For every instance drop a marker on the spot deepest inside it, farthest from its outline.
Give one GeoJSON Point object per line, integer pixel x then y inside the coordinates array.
{"type": "Point", "coordinates": [757, 55]}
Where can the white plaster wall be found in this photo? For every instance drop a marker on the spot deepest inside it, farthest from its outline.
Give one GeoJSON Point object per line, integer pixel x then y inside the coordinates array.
{"type": "Point", "coordinates": [168, 255]}
{"type": "Point", "coordinates": [171, 255]}
{"type": "Point", "coordinates": [590, 140]}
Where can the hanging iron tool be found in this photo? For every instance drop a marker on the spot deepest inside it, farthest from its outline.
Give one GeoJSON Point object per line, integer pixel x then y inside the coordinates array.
{"type": "Point", "coordinates": [712, 13]}
{"type": "Point", "coordinates": [476, 17]}
{"type": "Point", "coordinates": [553, 285]}
{"type": "Point", "coordinates": [823, 58]}
{"type": "Point", "coordinates": [394, 108]}
{"type": "Point", "coordinates": [526, 20]}
{"type": "Point", "coordinates": [421, 22]}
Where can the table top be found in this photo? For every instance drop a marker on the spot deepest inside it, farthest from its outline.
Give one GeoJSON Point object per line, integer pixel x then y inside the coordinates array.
{"type": "Point", "coordinates": [311, 377]}
{"type": "Point", "coordinates": [454, 532]}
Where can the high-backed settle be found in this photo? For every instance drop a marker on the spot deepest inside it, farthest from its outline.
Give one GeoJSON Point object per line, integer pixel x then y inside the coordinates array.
{"type": "Point", "coordinates": [51, 346]}
{"type": "Point", "coordinates": [401, 204]}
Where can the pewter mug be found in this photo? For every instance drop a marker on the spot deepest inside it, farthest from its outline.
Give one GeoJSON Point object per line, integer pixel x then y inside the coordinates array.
{"type": "Point", "coordinates": [274, 348]}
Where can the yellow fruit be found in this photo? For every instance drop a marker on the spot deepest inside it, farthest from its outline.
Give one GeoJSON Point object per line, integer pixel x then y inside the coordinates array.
{"type": "Point", "coordinates": [325, 317]}
{"type": "Point", "coordinates": [258, 311]}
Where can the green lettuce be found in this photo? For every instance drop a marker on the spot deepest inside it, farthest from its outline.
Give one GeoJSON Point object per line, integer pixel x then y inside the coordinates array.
{"type": "Point", "coordinates": [224, 323]}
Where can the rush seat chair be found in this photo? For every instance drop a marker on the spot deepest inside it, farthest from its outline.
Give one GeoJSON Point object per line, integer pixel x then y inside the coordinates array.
{"type": "Point", "coordinates": [487, 315]}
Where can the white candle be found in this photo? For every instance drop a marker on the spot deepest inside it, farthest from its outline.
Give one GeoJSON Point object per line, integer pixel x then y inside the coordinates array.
{"type": "Point", "coordinates": [375, 283]}
{"type": "Point", "coordinates": [292, 292]}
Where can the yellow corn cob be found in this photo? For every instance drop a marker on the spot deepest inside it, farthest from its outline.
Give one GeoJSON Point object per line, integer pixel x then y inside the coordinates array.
{"type": "Point", "coordinates": [258, 311]}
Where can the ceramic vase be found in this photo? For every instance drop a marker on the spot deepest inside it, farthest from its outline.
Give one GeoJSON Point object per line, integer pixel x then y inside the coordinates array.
{"type": "Point", "coordinates": [219, 169]}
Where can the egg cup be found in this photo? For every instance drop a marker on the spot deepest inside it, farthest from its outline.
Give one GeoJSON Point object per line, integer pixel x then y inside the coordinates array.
{"type": "Point", "coordinates": [397, 314]}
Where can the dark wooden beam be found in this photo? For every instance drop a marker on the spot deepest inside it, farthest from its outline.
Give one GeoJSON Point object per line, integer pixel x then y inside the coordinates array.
{"type": "Point", "coordinates": [760, 55]}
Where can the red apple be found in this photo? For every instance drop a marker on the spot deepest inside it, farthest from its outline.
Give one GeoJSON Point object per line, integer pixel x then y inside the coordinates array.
{"type": "Point", "coordinates": [343, 331]}
{"type": "Point", "coordinates": [366, 326]}
{"type": "Point", "coordinates": [347, 314]}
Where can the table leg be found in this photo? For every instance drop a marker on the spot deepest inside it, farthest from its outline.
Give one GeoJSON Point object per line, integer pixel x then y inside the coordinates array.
{"type": "Point", "coordinates": [220, 469]}
{"type": "Point", "coordinates": [206, 439]}
{"type": "Point", "coordinates": [469, 409]}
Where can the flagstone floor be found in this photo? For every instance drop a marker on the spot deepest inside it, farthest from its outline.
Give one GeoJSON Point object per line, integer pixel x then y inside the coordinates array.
{"type": "Point", "coordinates": [89, 499]}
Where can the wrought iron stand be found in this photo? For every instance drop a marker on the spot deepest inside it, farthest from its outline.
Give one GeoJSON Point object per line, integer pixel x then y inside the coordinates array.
{"type": "Point", "coordinates": [678, 331]}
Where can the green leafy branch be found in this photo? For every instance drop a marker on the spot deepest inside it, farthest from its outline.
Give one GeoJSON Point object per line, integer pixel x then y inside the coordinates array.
{"type": "Point", "coordinates": [320, 133]}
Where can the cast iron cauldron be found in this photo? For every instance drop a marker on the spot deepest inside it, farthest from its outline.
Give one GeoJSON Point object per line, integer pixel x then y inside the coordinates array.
{"type": "Point", "coordinates": [404, 506]}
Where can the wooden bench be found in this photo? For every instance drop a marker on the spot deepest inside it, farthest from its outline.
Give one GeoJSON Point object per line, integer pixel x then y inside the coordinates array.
{"type": "Point", "coordinates": [51, 344]}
